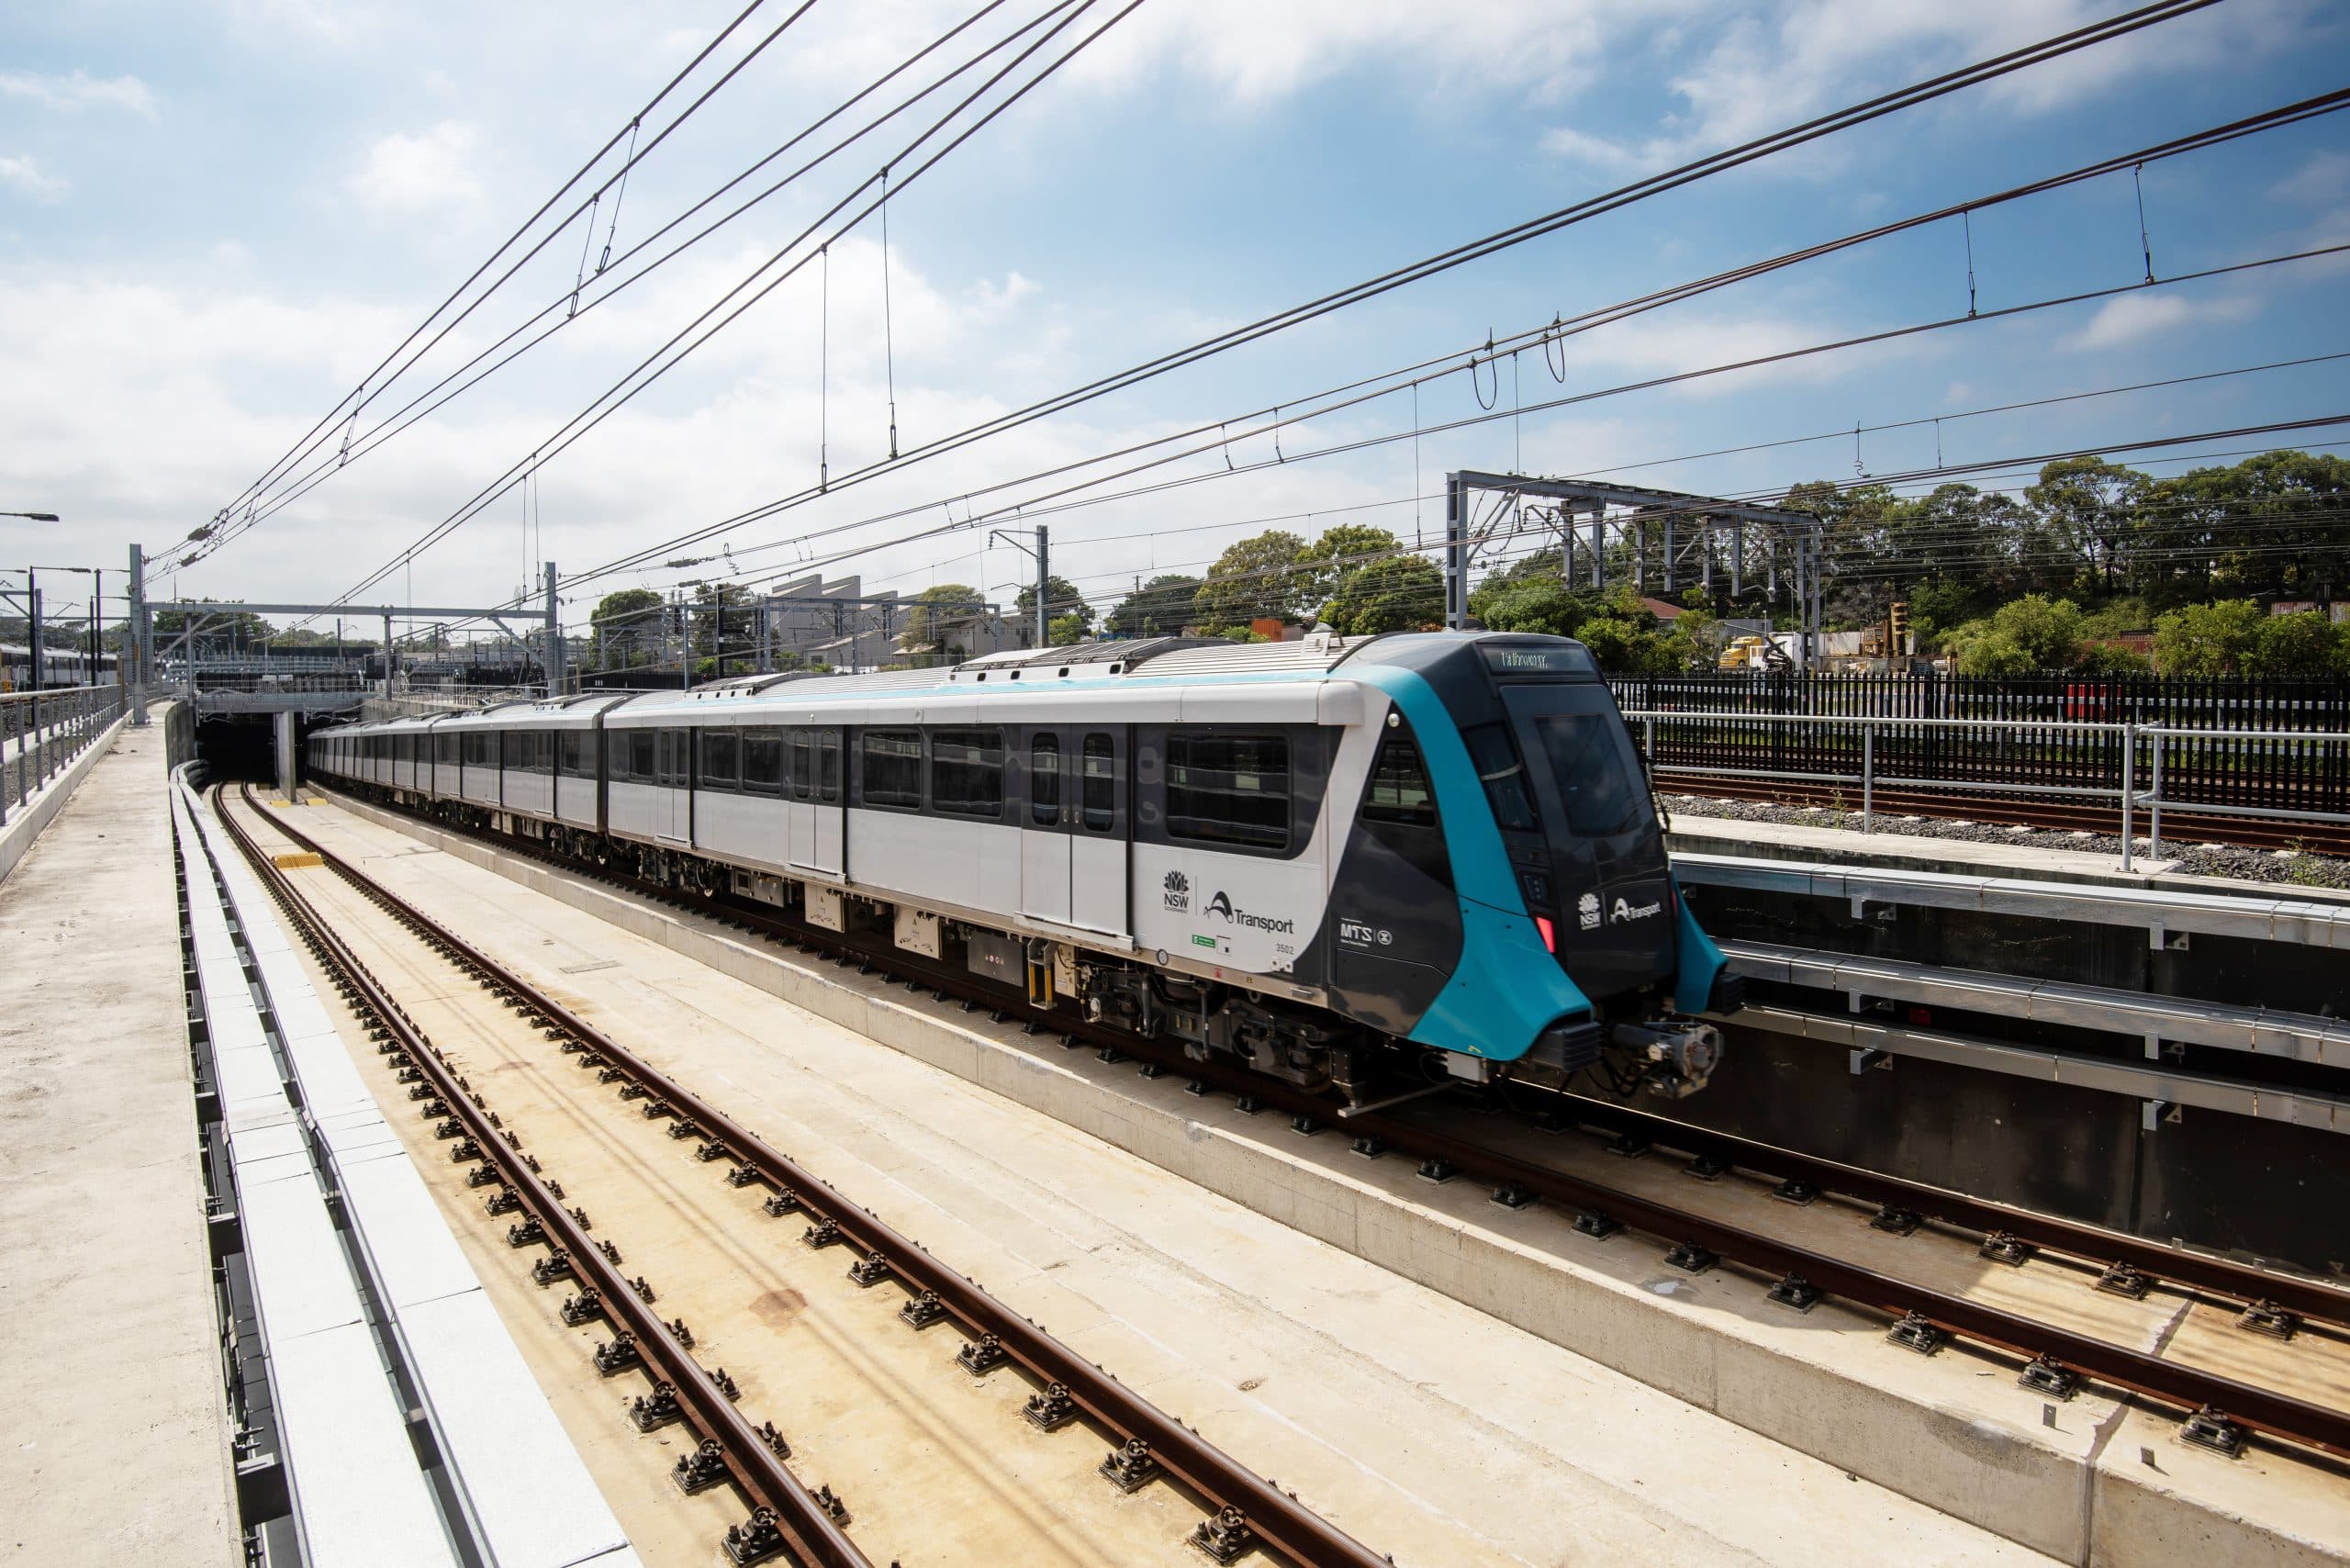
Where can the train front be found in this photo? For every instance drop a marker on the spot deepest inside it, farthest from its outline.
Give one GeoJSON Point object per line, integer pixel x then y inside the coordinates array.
{"type": "Point", "coordinates": [1579, 951]}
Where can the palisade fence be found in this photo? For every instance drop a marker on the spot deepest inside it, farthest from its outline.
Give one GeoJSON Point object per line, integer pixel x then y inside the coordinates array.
{"type": "Point", "coordinates": [42, 731]}
{"type": "Point", "coordinates": [2235, 746]}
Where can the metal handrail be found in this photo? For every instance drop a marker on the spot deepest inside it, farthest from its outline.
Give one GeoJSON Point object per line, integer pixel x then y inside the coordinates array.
{"type": "Point", "coordinates": [42, 731]}
{"type": "Point", "coordinates": [2127, 795]}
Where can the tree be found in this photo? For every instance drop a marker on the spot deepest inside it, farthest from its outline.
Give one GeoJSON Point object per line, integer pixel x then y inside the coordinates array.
{"type": "Point", "coordinates": [725, 626]}
{"type": "Point", "coordinates": [1533, 605]}
{"type": "Point", "coordinates": [1265, 575]}
{"type": "Point", "coordinates": [625, 630]}
{"type": "Point", "coordinates": [1159, 608]}
{"type": "Point", "coordinates": [1616, 643]}
{"type": "Point", "coordinates": [2094, 510]}
{"type": "Point", "coordinates": [2206, 639]}
{"type": "Point", "coordinates": [1064, 603]}
{"type": "Point", "coordinates": [225, 626]}
{"type": "Point", "coordinates": [1995, 653]}
{"type": "Point", "coordinates": [2303, 645]}
{"type": "Point", "coordinates": [2112, 658]}
{"type": "Point", "coordinates": [1396, 594]}
{"type": "Point", "coordinates": [1340, 551]}
{"type": "Point", "coordinates": [2048, 631]}
{"type": "Point", "coordinates": [937, 615]}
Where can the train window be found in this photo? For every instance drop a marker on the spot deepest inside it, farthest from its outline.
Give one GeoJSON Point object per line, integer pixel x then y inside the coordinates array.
{"type": "Point", "coordinates": [640, 755]}
{"type": "Point", "coordinates": [1044, 780]}
{"type": "Point", "coordinates": [967, 772]}
{"type": "Point", "coordinates": [1100, 782]}
{"type": "Point", "coordinates": [676, 748]}
{"type": "Point", "coordinates": [804, 767]}
{"type": "Point", "coordinates": [1228, 789]}
{"type": "Point", "coordinates": [893, 774]}
{"type": "Point", "coordinates": [1504, 776]}
{"type": "Point", "coordinates": [1592, 767]}
{"type": "Point", "coordinates": [572, 746]}
{"type": "Point", "coordinates": [828, 766]}
{"type": "Point", "coordinates": [763, 761]}
{"type": "Point", "coordinates": [1399, 788]}
{"type": "Point", "coordinates": [722, 759]}
{"type": "Point", "coordinates": [444, 750]}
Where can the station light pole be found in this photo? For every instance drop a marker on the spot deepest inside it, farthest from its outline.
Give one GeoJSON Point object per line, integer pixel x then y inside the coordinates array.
{"type": "Point", "coordinates": [1043, 553]}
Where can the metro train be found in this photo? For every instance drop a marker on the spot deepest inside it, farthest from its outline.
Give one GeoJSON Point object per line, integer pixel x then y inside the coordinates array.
{"type": "Point", "coordinates": [1338, 861]}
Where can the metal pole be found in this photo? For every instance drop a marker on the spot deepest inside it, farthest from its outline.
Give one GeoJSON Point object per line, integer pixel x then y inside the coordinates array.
{"type": "Point", "coordinates": [1456, 556]}
{"type": "Point", "coordinates": [1668, 553]}
{"type": "Point", "coordinates": [32, 620]}
{"type": "Point", "coordinates": [1043, 580]}
{"type": "Point", "coordinates": [555, 639]}
{"type": "Point", "coordinates": [387, 654]}
{"type": "Point", "coordinates": [1599, 548]}
{"type": "Point", "coordinates": [2128, 785]}
{"type": "Point", "coordinates": [141, 627]}
{"type": "Point", "coordinates": [1868, 776]}
{"type": "Point", "coordinates": [2154, 801]}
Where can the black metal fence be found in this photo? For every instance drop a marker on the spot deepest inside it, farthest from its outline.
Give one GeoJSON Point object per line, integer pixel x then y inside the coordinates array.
{"type": "Point", "coordinates": [2013, 734]}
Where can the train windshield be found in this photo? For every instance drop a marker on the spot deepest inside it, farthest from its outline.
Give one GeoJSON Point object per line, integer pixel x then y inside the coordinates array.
{"type": "Point", "coordinates": [1604, 881]}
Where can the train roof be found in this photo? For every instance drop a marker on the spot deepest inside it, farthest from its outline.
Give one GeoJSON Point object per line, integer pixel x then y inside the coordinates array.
{"type": "Point", "coordinates": [1135, 678]}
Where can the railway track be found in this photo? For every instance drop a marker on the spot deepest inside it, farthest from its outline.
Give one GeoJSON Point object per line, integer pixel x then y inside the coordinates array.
{"type": "Point", "coordinates": [2053, 1361]}
{"type": "Point", "coordinates": [787, 1518]}
{"type": "Point", "coordinates": [2180, 826]}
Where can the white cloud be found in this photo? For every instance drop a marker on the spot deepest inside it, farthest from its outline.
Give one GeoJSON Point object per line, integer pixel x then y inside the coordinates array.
{"type": "Point", "coordinates": [1783, 64]}
{"type": "Point", "coordinates": [2323, 180]}
{"type": "Point", "coordinates": [79, 91]}
{"type": "Point", "coordinates": [23, 174]}
{"type": "Point", "coordinates": [2132, 318]}
{"type": "Point", "coordinates": [432, 171]}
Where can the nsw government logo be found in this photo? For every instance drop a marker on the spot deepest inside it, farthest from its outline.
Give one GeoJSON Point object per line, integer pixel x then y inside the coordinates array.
{"type": "Point", "coordinates": [1179, 890]}
{"type": "Point", "coordinates": [1587, 911]}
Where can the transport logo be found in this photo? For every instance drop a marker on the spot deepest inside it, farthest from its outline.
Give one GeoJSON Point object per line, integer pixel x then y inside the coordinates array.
{"type": "Point", "coordinates": [1178, 891]}
{"type": "Point", "coordinates": [1220, 903]}
{"type": "Point", "coordinates": [1356, 931]}
{"type": "Point", "coordinates": [1587, 911]}
{"type": "Point", "coordinates": [1626, 911]}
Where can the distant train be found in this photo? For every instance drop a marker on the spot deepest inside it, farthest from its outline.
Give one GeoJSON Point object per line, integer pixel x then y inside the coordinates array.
{"type": "Point", "coordinates": [1330, 859]}
{"type": "Point", "coordinates": [59, 667]}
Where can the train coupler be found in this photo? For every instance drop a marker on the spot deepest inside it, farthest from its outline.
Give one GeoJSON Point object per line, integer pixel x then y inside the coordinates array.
{"type": "Point", "coordinates": [1677, 1059]}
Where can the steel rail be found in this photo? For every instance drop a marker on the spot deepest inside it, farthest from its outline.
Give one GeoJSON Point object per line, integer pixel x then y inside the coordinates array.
{"type": "Point", "coordinates": [809, 1531]}
{"type": "Point", "coordinates": [2307, 1299]}
{"type": "Point", "coordinates": [1279, 1521]}
{"type": "Point", "coordinates": [2205, 1396]}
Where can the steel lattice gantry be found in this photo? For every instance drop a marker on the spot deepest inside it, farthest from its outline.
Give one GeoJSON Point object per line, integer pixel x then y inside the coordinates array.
{"type": "Point", "coordinates": [1579, 515]}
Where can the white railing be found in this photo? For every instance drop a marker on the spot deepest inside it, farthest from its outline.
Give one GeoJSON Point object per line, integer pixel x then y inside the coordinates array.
{"type": "Point", "coordinates": [42, 731]}
{"type": "Point", "coordinates": [2125, 793]}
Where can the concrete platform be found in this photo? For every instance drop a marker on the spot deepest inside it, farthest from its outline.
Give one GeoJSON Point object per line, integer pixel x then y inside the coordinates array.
{"type": "Point", "coordinates": [2096, 1481]}
{"type": "Point", "coordinates": [115, 1447]}
{"type": "Point", "coordinates": [1430, 1428]}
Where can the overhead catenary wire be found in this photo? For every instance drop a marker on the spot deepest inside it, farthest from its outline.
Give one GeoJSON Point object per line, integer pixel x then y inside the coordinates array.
{"type": "Point", "coordinates": [1372, 387]}
{"type": "Point", "coordinates": [615, 397]}
{"type": "Point", "coordinates": [1808, 131]}
{"type": "Point", "coordinates": [461, 379]}
{"type": "Point", "coordinates": [360, 391]}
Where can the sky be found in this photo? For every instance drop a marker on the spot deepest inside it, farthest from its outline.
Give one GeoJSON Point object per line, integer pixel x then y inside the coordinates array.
{"type": "Point", "coordinates": [218, 217]}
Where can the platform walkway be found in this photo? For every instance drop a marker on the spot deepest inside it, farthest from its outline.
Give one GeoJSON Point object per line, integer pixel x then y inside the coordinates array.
{"type": "Point", "coordinates": [114, 1448]}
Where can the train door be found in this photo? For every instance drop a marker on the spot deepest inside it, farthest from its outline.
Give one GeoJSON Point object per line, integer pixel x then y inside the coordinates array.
{"type": "Point", "coordinates": [673, 819]}
{"type": "Point", "coordinates": [816, 829]}
{"type": "Point", "coordinates": [1073, 856]}
{"type": "Point", "coordinates": [1045, 846]}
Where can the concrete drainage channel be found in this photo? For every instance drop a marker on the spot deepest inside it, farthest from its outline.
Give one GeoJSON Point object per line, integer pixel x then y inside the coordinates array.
{"type": "Point", "coordinates": [1244, 1512]}
{"type": "Point", "coordinates": [2098, 1476]}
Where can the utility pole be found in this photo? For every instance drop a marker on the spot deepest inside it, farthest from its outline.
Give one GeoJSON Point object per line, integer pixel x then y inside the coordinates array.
{"type": "Point", "coordinates": [1043, 555]}
{"type": "Point", "coordinates": [142, 638]}
{"type": "Point", "coordinates": [555, 639]}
